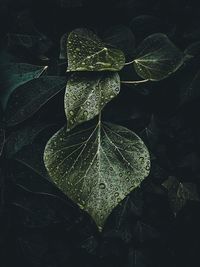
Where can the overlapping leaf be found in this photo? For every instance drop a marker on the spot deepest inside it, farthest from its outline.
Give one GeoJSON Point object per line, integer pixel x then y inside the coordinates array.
{"type": "Point", "coordinates": [86, 52]}
{"type": "Point", "coordinates": [97, 166]}
{"type": "Point", "coordinates": [16, 74]}
{"type": "Point", "coordinates": [31, 96]}
{"type": "Point", "coordinates": [157, 57]}
{"type": "Point", "coordinates": [87, 94]}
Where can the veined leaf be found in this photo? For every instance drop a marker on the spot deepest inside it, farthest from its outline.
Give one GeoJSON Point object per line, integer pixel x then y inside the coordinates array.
{"type": "Point", "coordinates": [97, 167]}
{"type": "Point", "coordinates": [157, 58]}
{"type": "Point", "coordinates": [86, 52]}
{"type": "Point", "coordinates": [31, 96]}
{"type": "Point", "coordinates": [16, 74]}
{"type": "Point", "coordinates": [87, 94]}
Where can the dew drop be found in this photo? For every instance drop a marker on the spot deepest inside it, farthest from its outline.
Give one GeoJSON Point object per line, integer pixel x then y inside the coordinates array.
{"type": "Point", "coordinates": [102, 186]}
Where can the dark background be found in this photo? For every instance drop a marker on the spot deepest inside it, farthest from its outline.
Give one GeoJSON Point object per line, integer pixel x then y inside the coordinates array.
{"type": "Point", "coordinates": [46, 229]}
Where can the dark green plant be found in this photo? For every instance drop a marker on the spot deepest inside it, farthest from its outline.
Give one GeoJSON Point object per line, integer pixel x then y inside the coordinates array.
{"type": "Point", "coordinates": [95, 163]}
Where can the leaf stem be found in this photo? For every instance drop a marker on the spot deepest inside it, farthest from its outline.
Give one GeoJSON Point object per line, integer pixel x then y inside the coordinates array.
{"type": "Point", "coordinates": [128, 63]}
{"type": "Point", "coordinates": [135, 82]}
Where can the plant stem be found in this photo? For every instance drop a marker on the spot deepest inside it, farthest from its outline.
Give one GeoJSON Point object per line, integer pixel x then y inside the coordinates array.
{"type": "Point", "coordinates": [135, 82]}
{"type": "Point", "coordinates": [128, 63]}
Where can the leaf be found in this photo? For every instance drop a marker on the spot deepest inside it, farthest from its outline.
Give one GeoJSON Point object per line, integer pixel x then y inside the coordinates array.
{"type": "Point", "coordinates": [87, 94]}
{"type": "Point", "coordinates": [63, 46]}
{"type": "Point", "coordinates": [179, 193]}
{"type": "Point", "coordinates": [30, 97]}
{"type": "Point", "coordinates": [157, 57]}
{"type": "Point", "coordinates": [97, 167]}
{"type": "Point", "coordinates": [86, 52]}
{"type": "Point", "coordinates": [120, 37]}
{"type": "Point", "coordinates": [2, 138]}
{"type": "Point", "coordinates": [23, 137]}
{"type": "Point", "coordinates": [31, 155]}
{"type": "Point", "coordinates": [16, 74]}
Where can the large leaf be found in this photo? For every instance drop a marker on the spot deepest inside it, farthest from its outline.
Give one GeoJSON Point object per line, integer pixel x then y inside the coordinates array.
{"type": "Point", "coordinates": [14, 75]}
{"type": "Point", "coordinates": [31, 96]}
{"type": "Point", "coordinates": [87, 93]}
{"type": "Point", "coordinates": [86, 52]}
{"type": "Point", "coordinates": [97, 167]}
{"type": "Point", "coordinates": [157, 57]}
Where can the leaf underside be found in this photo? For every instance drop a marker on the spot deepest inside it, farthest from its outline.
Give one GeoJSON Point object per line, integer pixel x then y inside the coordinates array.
{"type": "Point", "coordinates": [97, 167]}
{"type": "Point", "coordinates": [157, 58]}
{"type": "Point", "coordinates": [86, 52]}
{"type": "Point", "coordinates": [87, 94]}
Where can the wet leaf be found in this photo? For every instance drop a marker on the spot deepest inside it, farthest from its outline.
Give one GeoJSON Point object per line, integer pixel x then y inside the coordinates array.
{"type": "Point", "coordinates": [97, 167]}
{"type": "Point", "coordinates": [86, 52]}
{"type": "Point", "coordinates": [179, 193]}
{"type": "Point", "coordinates": [16, 74]}
{"type": "Point", "coordinates": [31, 96]}
{"type": "Point", "coordinates": [157, 57]}
{"type": "Point", "coordinates": [87, 94]}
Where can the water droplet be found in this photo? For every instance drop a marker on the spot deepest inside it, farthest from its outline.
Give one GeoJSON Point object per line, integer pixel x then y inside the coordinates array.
{"type": "Point", "coordinates": [102, 186]}
{"type": "Point", "coordinates": [116, 194]}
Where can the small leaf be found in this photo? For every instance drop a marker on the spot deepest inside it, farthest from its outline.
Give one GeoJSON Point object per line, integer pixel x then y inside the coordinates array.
{"type": "Point", "coordinates": [31, 96]}
{"type": "Point", "coordinates": [87, 94]}
{"type": "Point", "coordinates": [86, 52]}
{"type": "Point", "coordinates": [179, 193]}
{"type": "Point", "coordinates": [157, 57]}
{"type": "Point", "coordinates": [97, 167]}
{"type": "Point", "coordinates": [16, 74]}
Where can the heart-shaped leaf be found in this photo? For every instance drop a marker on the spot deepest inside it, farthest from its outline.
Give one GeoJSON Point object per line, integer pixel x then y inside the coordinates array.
{"type": "Point", "coordinates": [157, 57]}
{"type": "Point", "coordinates": [87, 94]}
{"type": "Point", "coordinates": [16, 74]}
{"type": "Point", "coordinates": [86, 52]}
{"type": "Point", "coordinates": [31, 96]}
{"type": "Point", "coordinates": [97, 167]}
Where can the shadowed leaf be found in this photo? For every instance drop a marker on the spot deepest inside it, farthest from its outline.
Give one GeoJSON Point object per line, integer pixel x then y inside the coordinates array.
{"type": "Point", "coordinates": [30, 97]}
{"type": "Point", "coordinates": [16, 74]}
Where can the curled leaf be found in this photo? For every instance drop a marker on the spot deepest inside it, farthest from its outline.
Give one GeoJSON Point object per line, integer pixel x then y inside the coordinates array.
{"type": "Point", "coordinates": [86, 52]}
{"type": "Point", "coordinates": [87, 94]}
{"type": "Point", "coordinates": [97, 167]}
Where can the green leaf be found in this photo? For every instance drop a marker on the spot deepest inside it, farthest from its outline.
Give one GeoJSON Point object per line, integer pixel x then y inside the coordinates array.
{"type": "Point", "coordinates": [87, 94]}
{"type": "Point", "coordinates": [14, 75]}
{"type": "Point", "coordinates": [97, 167]}
{"type": "Point", "coordinates": [31, 96]}
{"type": "Point", "coordinates": [86, 52]}
{"type": "Point", "coordinates": [157, 57]}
